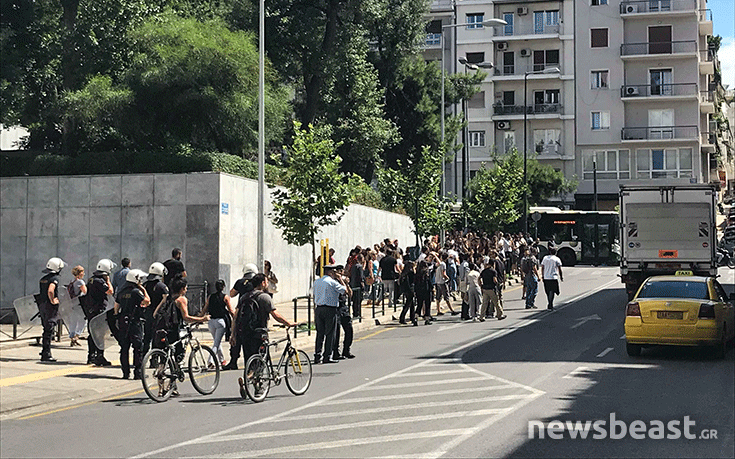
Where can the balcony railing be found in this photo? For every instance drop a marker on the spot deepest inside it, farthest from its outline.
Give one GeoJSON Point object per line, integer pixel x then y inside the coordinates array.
{"type": "Point", "coordinates": [522, 69]}
{"type": "Point", "coordinates": [706, 55]}
{"type": "Point", "coordinates": [666, 89]}
{"type": "Point", "coordinates": [663, 47]}
{"type": "Point", "coordinates": [705, 15]}
{"type": "Point", "coordinates": [707, 96]}
{"type": "Point", "coordinates": [659, 133]}
{"type": "Point", "coordinates": [535, 109]}
{"type": "Point", "coordinates": [656, 6]}
{"type": "Point", "coordinates": [709, 138]}
{"type": "Point", "coordinates": [512, 30]}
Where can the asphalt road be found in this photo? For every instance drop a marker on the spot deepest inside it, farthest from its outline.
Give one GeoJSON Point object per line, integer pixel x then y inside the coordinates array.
{"type": "Point", "coordinates": [451, 389]}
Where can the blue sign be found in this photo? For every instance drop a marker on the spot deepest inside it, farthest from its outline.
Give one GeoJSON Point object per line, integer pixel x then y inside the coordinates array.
{"type": "Point", "coordinates": [225, 208]}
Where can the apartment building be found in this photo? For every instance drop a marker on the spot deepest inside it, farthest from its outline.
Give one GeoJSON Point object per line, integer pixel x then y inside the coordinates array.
{"type": "Point", "coordinates": [645, 96]}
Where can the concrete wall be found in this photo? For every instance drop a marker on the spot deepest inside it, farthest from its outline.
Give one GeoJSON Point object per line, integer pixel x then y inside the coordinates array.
{"type": "Point", "coordinates": [84, 218]}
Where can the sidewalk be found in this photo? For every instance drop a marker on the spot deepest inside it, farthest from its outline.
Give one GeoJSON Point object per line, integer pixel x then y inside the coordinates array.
{"type": "Point", "coordinates": [29, 387]}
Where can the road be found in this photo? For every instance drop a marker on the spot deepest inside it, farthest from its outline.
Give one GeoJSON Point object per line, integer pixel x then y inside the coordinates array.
{"type": "Point", "coordinates": [451, 389]}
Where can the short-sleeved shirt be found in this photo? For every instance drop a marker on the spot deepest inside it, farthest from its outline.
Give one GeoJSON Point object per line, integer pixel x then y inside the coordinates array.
{"type": "Point", "coordinates": [118, 279]}
{"type": "Point", "coordinates": [51, 278]}
{"type": "Point", "coordinates": [265, 306]}
{"type": "Point", "coordinates": [356, 275]}
{"type": "Point", "coordinates": [76, 287]}
{"type": "Point", "coordinates": [327, 291]}
{"type": "Point", "coordinates": [551, 264]}
{"type": "Point", "coordinates": [174, 267]}
{"type": "Point", "coordinates": [488, 276]}
{"type": "Point", "coordinates": [388, 268]}
{"type": "Point", "coordinates": [439, 273]}
{"type": "Point", "coordinates": [472, 281]}
{"type": "Point", "coordinates": [243, 286]}
{"type": "Point", "coordinates": [156, 289]}
{"type": "Point", "coordinates": [98, 290]}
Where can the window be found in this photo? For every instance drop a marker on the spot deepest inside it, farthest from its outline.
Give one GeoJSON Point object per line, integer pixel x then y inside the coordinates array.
{"type": "Point", "coordinates": [600, 120]}
{"type": "Point", "coordinates": [509, 63]}
{"type": "Point", "coordinates": [546, 101]}
{"type": "Point", "coordinates": [661, 80]}
{"type": "Point", "coordinates": [598, 2]}
{"type": "Point", "coordinates": [664, 163]}
{"type": "Point", "coordinates": [547, 141]}
{"type": "Point", "coordinates": [508, 28]}
{"type": "Point", "coordinates": [509, 98]}
{"type": "Point", "coordinates": [477, 138]}
{"type": "Point", "coordinates": [477, 100]}
{"type": "Point", "coordinates": [475, 20]}
{"type": "Point", "coordinates": [552, 18]}
{"type": "Point", "coordinates": [598, 38]}
{"type": "Point", "coordinates": [509, 141]}
{"type": "Point", "coordinates": [599, 79]}
{"type": "Point", "coordinates": [433, 39]}
{"type": "Point", "coordinates": [475, 58]}
{"type": "Point", "coordinates": [661, 124]}
{"type": "Point", "coordinates": [543, 59]}
{"type": "Point", "coordinates": [611, 164]}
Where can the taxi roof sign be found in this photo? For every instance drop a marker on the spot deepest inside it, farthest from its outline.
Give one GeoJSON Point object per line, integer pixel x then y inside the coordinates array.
{"type": "Point", "coordinates": [683, 272]}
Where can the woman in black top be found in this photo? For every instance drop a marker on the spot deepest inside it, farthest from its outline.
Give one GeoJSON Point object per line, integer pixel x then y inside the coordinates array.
{"type": "Point", "coordinates": [406, 284]}
{"type": "Point", "coordinates": [422, 289]}
{"type": "Point", "coordinates": [219, 307]}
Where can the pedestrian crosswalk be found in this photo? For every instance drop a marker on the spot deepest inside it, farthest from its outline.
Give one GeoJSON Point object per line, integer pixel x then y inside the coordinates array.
{"type": "Point", "coordinates": [419, 412]}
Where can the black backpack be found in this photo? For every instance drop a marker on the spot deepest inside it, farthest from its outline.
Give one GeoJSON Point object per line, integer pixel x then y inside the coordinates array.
{"type": "Point", "coordinates": [247, 311]}
{"type": "Point", "coordinates": [168, 315]}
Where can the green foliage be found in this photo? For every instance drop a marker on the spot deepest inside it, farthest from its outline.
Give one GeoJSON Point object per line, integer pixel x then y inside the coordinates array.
{"type": "Point", "coordinates": [495, 193]}
{"type": "Point", "coordinates": [544, 182]}
{"type": "Point", "coordinates": [316, 193]}
{"type": "Point", "coordinates": [415, 189]}
{"type": "Point", "coordinates": [363, 194]}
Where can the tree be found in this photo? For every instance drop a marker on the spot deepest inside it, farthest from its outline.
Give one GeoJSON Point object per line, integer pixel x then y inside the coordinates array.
{"type": "Point", "coordinates": [544, 182]}
{"type": "Point", "coordinates": [495, 193]}
{"type": "Point", "coordinates": [415, 188]}
{"type": "Point", "coordinates": [316, 193]}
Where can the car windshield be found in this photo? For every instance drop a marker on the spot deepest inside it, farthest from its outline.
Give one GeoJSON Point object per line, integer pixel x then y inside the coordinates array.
{"type": "Point", "coordinates": [675, 289]}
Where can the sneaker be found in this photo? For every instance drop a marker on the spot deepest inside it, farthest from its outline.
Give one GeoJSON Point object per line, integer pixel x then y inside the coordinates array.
{"type": "Point", "coordinates": [502, 317]}
{"type": "Point", "coordinates": [241, 382]}
{"type": "Point", "coordinates": [440, 313]}
{"type": "Point", "coordinates": [230, 366]}
{"type": "Point", "coordinates": [348, 355]}
{"type": "Point", "coordinates": [47, 358]}
{"type": "Point", "coordinates": [481, 319]}
{"type": "Point", "coordinates": [137, 375]}
{"type": "Point", "coordinates": [454, 313]}
{"type": "Point", "coordinates": [474, 319]}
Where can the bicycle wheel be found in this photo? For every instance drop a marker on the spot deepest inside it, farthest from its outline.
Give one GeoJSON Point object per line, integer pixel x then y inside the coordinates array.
{"type": "Point", "coordinates": [298, 372]}
{"type": "Point", "coordinates": [257, 378]}
{"type": "Point", "coordinates": [157, 377]}
{"type": "Point", "coordinates": [202, 377]}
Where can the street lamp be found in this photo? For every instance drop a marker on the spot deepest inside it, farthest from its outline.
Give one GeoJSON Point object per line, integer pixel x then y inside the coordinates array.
{"type": "Point", "coordinates": [489, 22]}
{"type": "Point", "coordinates": [525, 139]}
{"type": "Point", "coordinates": [261, 134]}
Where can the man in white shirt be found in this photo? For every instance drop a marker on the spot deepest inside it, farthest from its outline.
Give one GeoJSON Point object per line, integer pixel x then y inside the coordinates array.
{"type": "Point", "coordinates": [551, 273]}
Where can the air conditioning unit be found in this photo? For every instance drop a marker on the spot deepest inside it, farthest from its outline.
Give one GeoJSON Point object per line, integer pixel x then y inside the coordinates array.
{"type": "Point", "coordinates": [522, 10]}
{"type": "Point", "coordinates": [502, 46]}
{"type": "Point", "coordinates": [525, 52]}
{"type": "Point", "coordinates": [630, 9]}
{"type": "Point", "coordinates": [502, 125]}
{"type": "Point", "coordinates": [632, 91]}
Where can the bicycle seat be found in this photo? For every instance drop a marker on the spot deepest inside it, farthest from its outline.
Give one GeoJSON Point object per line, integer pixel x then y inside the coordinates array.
{"type": "Point", "coordinates": [261, 330]}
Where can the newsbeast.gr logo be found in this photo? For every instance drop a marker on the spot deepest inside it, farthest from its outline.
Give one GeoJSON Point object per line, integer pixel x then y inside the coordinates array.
{"type": "Point", "coordinates": [616, 429]}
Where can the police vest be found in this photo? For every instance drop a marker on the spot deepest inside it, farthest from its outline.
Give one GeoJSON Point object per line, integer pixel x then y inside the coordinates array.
{"type": "Point", "coordinates": [129, 300]}
{"type": "Point", "coordinates": [43, 285]}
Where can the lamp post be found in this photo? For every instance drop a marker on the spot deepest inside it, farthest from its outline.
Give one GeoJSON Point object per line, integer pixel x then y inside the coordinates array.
{"type": "Point", "coordinates": [525, 139]}
{"type": "Point", "coordinates": [261, 134]}
{"type": "Point", "coordinates": [489, 22]}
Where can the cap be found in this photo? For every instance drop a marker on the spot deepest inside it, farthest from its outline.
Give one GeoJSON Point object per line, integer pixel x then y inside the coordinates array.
{"type": "Point", "coordinates": [334, 267]}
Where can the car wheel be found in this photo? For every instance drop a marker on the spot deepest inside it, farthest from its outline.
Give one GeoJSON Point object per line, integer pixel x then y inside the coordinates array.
{"type": "Point", "coordinates": [634, 350]}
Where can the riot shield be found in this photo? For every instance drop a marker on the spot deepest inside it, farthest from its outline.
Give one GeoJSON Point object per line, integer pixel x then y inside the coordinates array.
{"type": "Point", "coordinates": [98, 329]}
{"type": "Point", "coordinates": [70, 310]}
{"type": "Point", "coordinates": [27, 310]}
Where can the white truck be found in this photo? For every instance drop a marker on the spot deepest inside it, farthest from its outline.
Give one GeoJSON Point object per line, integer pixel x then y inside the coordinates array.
{"type": "Point", "coordinates": [665, 229]}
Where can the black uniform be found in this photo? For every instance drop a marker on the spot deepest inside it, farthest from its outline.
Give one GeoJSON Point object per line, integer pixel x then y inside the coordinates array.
{"type": "Point", "coordinates": [49, 312]}
{"type": "Point", "coordinates": [344, 319]}
{"type": "Point", "coordinates": [130, 327]}
{"type": "Point", "coordinates": [243, 287]}
{"type": "Point", "coordinates": [97, 290]}
{"type": "Point", "coordinates": [156, 290]}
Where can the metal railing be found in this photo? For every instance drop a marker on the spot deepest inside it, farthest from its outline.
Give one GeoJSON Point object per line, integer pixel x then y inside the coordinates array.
{"type": "Point", "coordinates": [500, 109]}
{"type": "Point", "coordinates": [709, 138]}
{"type": "Point", "coordinates": [656, 6]}
{"type": "Point", "coordinates": [659, 133]}
{"type": "Point", "coordinates": [522, 69]}
{"type": "Point", "coordinates": [705, 15]}
{"type": "Point", "coordinates": [196, 294]}
{"type": "Point", "coordinates": [707, 96]}
{"type": "Point", "coordinates": [526, 29]}
{"type": "Point", "coordinates": [666, 89]}
{"type": "Point", "coordinates": [706, 55]}
{"type": "Point", "coordinates": [658, 47]}
{"type": "Point", "coordinates": [296, 314]}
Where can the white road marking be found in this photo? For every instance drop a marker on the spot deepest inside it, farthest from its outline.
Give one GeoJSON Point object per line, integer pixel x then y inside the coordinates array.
{"type": "Point", "coordinates": [623, 337]}
{"type": "Point", "coordinates": [463, 390]}
{"type": "Point", "coordinates": [431, 373]}
{"type": "Point", "coordinates": [605, 352]}
{"type": "Point", "coordinates": [425, 383]}
{"type": "Point", "coordinates": [449, 327]}
{"type": "Point", "coordinates": [576, 372]}
{"type": "Point", "coordinates": [583, 320]}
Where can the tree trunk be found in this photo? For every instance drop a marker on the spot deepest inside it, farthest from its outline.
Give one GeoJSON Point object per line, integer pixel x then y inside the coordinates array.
{"type": "Point", "coordinates": [313, 84]}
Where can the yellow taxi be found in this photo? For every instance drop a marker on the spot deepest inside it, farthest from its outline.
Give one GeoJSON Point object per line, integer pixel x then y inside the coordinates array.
{"type": "Point", "coordinates": [680, 310]}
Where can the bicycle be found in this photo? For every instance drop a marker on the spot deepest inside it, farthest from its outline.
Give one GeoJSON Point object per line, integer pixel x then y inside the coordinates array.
{"type": "Point", "coordinates": [161, 367]}
{"type": "Point", "coordinates": [260, 372]}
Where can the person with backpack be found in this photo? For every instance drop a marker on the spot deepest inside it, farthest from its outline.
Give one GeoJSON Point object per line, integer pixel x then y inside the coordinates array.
{"type": "Point", "coordinates": [241, 288]}
{"type": "Point", "coordinates": [99, 289]}
{"type": "Point", "coordinates": [130, 302]}
{"type": "Point", "coordinates": [253, 311]}
{"type": "Point", "coordinates": [157, 292]}
{"type": "Point", "coordinates": [77, 289]}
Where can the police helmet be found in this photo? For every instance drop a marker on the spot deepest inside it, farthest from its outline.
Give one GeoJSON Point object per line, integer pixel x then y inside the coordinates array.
{"type": "Point", "coordinates": [157, 270]}
{"type": "Point", "coordinates": [105, 265]}
{"type": "Point", "coordinates": [136, 276]}
{"type": "Point", "coordinates": [54, 265]}
{"type": "Point", "coordinates": [249, 271]}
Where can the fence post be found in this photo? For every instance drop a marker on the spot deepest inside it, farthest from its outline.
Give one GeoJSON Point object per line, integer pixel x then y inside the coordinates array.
{"type": "Point", "coordinates": [295, 317]}
{"type": "Point", "coordinates": [308, 320]}
{"type": "Point", "coordinates": [382, 298]}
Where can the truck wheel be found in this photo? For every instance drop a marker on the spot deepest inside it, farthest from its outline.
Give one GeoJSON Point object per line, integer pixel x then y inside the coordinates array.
{"type": "Point", "coordinates": [731, 263]}
{"type": "Point", "coordinates": [567, 257]}
{"type": "Point", "coordinates": [634, 350]}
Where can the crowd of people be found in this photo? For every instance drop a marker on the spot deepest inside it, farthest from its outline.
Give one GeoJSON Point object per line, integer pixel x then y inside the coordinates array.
{"type": "Point", "coordinates": [148, 308]}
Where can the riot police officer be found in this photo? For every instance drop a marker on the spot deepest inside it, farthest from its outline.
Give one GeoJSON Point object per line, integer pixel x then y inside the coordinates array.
{"type": "Point", "coordinates": [131, 300]}
{"type": "Point", "coordinates": [48, 304]}
{"type": "Point", "coordinates": [157, 292]}
{"type": "Point", "coordinates": [99, 288]}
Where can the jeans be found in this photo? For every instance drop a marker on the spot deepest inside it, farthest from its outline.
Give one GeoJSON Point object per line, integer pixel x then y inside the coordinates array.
{"type": "Point", "coordinates": [531, 290]}
{"type": "Point", "coordinates": [390, 287]}
{"type": "Point", "coordinates": [217, 328]}
{"type": "Point", "coordinates": [474, 299]}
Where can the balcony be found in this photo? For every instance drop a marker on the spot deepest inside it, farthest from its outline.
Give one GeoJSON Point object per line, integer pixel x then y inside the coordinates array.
{"type": "Point", "coordinates": [433, 40]}
{"type": "Point", "coordinates": [675, 90]}
{"type": "Point", "coordinates": [507, 70]}
{"type": "Point", "coordinates": [656, 49]}
{"type": "Point", "coordinates": [525, 31]}
{"type": "Point", "coordinates": [707, 102]}
{"type": "Point", "coordinates": [442, 5]}
{"type": "Point", "coordinates": [535, 109]}
{"type": "Point", "coordinates": [706, 62]}
{"type": "Point", "coordinates": [705, 22]}
{"type": "Point", "coordinates": [656, 7]}
{"type": "Point", "coordinates": [659, 133]}
{"type": "Point", "coordinates": [709, 139]}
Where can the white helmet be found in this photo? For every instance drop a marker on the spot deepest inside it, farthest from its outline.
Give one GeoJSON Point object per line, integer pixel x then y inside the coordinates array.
{"type": "Point", "coordinates": [105, 265]}
{"type": "Point", "coordinates": [249, 270]}
{"type": "Point", "coordinates": [136, 276]}
{"type": "Point", "coordinates": [157, 270]}
{"type": "Point", "coordinates": [55, 265]}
